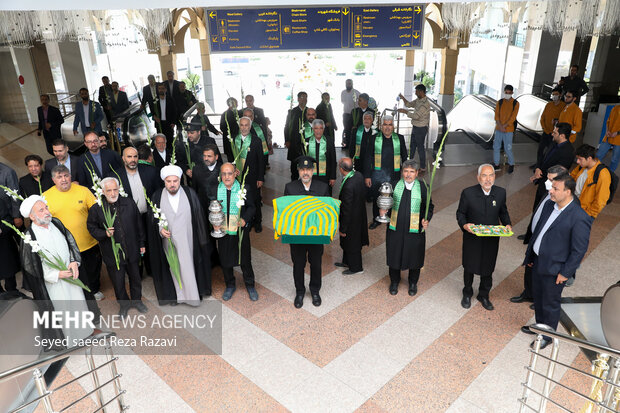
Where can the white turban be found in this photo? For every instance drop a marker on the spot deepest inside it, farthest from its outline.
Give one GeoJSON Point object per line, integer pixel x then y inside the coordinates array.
{"type": "Point", "coordinates": [26, 206]}
{"type": "Point", "coordinates": [168, 170]}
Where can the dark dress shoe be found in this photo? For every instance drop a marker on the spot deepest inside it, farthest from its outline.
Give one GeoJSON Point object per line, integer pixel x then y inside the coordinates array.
{"type": "Point", "coordinates": [466, 302]}
{"type": "Point", "coordinates": [349, 272]}
{"type": "Point", "coordinates": [140, 307]}
{"type": "Point", "coordinates": [252, 293]}
{"type": "Point", "coordinates": [521, 299]}
{"type": "Point", "coordinates": [374, 225]}
{"type": "Point", "coordinates": [511, 169]}
{"type": "Point", "coordinates": [393, 288]}
{"type": "Point", "coordinates": [228, 293]}
{"type": "Point", "coordinates": [340, 264]}
{"type": "Point", "coordinates": [413, 289]}
{"type": "Point", "coordinates": [299, 301]}
{"type": "Point", "coordinates": [532, 306]}
{"type": "Point", "coordinates": [258, 228]}
{"type": "Point", "coordinates": [497, 167]}
{"type": "Point", "coordinates": [543, 344]}
{"type": "Point", "coordinates": [486, 303]}
{"type": "Point", "coordinates": [123, 311]}
{"type": "Point", "coordinates": [521, 237]}
{"type": "Point", "coordinates": [526, 330]}
{"type": "Point", "coordinates": [316, 300]}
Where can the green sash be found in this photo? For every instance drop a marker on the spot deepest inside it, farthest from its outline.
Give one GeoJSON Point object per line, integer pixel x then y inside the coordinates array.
{"type": "Point", "coordinates": [261, 135]}
{"type": "Point", "coordinates": [232, 218]}
{"type": "Point", "coordinates": [379, 147]}
{"type": "Point", "coordinates": [322, 158]}
{"type": "Point", "coordinates": [416, 201]}
{"type": "Point", "coordinates": [350, 174]}
{"type": "Point", "coordinates": [358, 141]}
{"type": "Point", "coordinates": [242, 150]}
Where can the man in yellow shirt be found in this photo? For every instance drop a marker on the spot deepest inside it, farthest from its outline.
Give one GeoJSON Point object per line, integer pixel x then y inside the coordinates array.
{"type": "Point", "coordinates": [571, 115]}
{"type": "Point", "coordinates": [593, 196]}
{"type": "Point", "coordinates": [611, 139]}
{"type": "Point", "coordinates": [548, 120]}
{"type": "Point", "coordinates": [70, 203]}
{"type": "Point", "coordinates": [506, 111]}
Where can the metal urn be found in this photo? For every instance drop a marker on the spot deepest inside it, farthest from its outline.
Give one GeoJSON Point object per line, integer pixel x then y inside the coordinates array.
{"type": "Point", "coordinates": [385, 201]}
{"type": "Point", "coordinates": [216, 218]}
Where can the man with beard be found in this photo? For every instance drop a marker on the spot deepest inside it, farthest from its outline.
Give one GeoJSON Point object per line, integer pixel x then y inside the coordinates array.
{"type": "Point", "coordinates": [62, 157]}
{"type": "Point", "coordinates": [119, 101]}
{"type": "Point", "coordinates": [95, 160]}
{"type": "Point", "coordinates": [353, 230]}
{"type": "Point", "coordinates": [405, 240]}
{"type": "Point", "coordinates": [326, 114]}
{"type": "Point", "coordinates": [203, 121]}
{"type": "Point", "coordinates": [348, 97]}
{"type": "Point", "coordinates": [127, 230]}
{"type": "Point", "coordinates": [259, 130]}
{"type": "Point", "coordinates": [70, 203]}
{"type": "Point", "coordinates": [321, 149]}
{"type": "Point", "coordinates": [105, 97]}
{"type": "Point", "coordinates": [238, 215]}
{"type": "Point", "coordinates": [165, 115]}
{"type": "Point", "coordinates": [206, 175]}
{"type": "Point", "coordinates": [300, 253]}
{"type": "Point", "coordinates": [37, 179]}
{"type": "Point", "coordinates": [185, 100]}
{"type": "Point", "coordinates": [87, 115]}
{"type": "Point", "coordinates": [386, 152]}
{"type": "Point", "coordinates": [162, 155]}
{"type": "Point", "coordinates": [482, 204]}
{"type": "Point", "coordinates": [187, 230]}
{"type": "Point", "coordinates": [45, 282]}
{"type": "Point", "coordinates": [294, 128]}
{"type": "Point", "coordinates": [359, 141]}
{"type": "Point", "coordinates": [173, 87]}
{"type": "Point", "coordinates": [572, 115]}
{"type": "Point", "coordinates": [250, 160]}
{"type": "Point", "coordinates": [9, 212]}
{"type": "Point", "coordinates": [50, 120]}
{"type": "Point", "coordinates": [572, 82]}
{"type": "Point", "coordinates": [149, 92]}
{"type": "Point", "coordinates": [229, 125]}
{"type": "Point", "coordinates": [196, 143]}
{"type": "Point", "coordinates": [358, 113]}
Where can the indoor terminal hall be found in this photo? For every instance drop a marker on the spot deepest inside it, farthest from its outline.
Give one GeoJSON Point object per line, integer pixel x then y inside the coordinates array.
{"type": "Point", "coordinates": [369, 206]}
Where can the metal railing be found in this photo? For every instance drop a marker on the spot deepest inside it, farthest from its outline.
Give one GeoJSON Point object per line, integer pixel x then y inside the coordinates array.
{"type": "Point", "coordinates": [605, 389]}
{"type": "Point", "coordinates": [45, 394]}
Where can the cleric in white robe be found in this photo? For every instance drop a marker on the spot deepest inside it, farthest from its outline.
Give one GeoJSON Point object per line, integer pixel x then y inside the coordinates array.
{"type": "Point", "coordinates": [47, 284]}
{"type": "Point", "coordinates": [189, 232]}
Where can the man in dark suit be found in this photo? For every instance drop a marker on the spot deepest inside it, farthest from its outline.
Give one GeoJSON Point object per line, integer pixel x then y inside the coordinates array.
{"type": "Point", "coordinates": [558, 245]}
{"type": "Point", "coordinates": [185, 100]}
{"type": "Point", "coordinates": [205, 176]}
{"type": "Point", "coordinates": [259, 114]}
{"type": "Point", "coordinates": [229, 125]}
{"type": "Point", "coordinates": [118, 100]}
{"type": "Point", "coordinates": [96, 160]}
{"type": "Point", "coordinates": [251, 160]}
{"type": "Point", "coordinates": [196, 144]}
{"type": "Point", "coordinates": [483, 204]}
{"type": "Point", "coordinates": [165, 115]}
{"type": "Point", "coordinates": [321, 148]}
{"type": "Point", "coordinates": [162, 155]}
{"type": "Point", "coordinates": [300, 253]}
{"type": "Point", "coordinates": [128, 231]}
{"type": "Point", "coordinates": [105, 97]}
{"type": "Point", "coordinates": [383, 159]}
{"type": "Point", "coordinates": [62, 157]}
{"type": "Point", "coordinates": [50, 120]}
{"type": "Point", "coordinates": [37, 181]}
{"type": "Point", "coordinates": [173, 88]}
{"type": "Point", "coordinates": [359, 141]}
{"type": "Point", "coordinates": [526, 294]}
{"type": "Point", "coordinates": [205, 125]}
{"type": "Point", "coordinates": [149, 92]}
{"type": "Point", "coordinates": [293, 131]}
{"type": "Point", "coordinates": [326, 114]}
{"type": "Point", "coordinates": [358, 113]}
{"type": "Point", "coordinates": [353, 230]}
{"type": "Point", "coordinates": [87, 114]}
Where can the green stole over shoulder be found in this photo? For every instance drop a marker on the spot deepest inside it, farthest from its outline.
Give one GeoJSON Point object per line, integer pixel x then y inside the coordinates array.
{"type": "Point", "coordinates": [322, 158]}
{"type": "Point", "coordinates": [416, 201]}
{"type": "Point", "coordinates": [231, 222]}
{"type": "Point", "coordinates": [358, 140]}
{"type": "Point", "coordinates": [243, 149]}
{"type": "Point", "coordinates": [261, 135]}
{"type": "Point", "coordinates": [379, 147]}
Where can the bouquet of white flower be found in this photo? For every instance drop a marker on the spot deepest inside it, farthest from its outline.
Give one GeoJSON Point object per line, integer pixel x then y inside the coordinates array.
{"type": "Point", "coordinates": [51, 260]}
{"type": "Point", "coordinates": [171, 252]}
{"type": "Point", "coordinates": [240, 203]}
{"type": "Point", "coordinates": [12, 193]}
{"type": "Point", "coordinates": [429, 187]}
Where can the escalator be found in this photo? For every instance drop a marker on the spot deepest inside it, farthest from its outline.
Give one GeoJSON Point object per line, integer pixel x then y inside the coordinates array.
{"type": "Point", "coordinates": [472, 127]}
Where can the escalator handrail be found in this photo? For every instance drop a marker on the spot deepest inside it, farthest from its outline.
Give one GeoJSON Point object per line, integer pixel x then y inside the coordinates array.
{"type": "Point", "coordinates": [441, 114]}
{"type": "Point", "coordinates": [471, 133]}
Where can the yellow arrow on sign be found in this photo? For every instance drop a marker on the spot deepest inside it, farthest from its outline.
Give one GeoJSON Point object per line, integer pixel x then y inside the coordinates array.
{"type": "Point", "coordinates": [214, 39]}
{"type": "Point", "coordinates": [212, 15]}
{"type": "Point", "coordinates": [222, 23]}
{"type": "Point", "coordinates": [345, 11]}
{"type": "Point", "coordinates": [416, 35]}
{"type": "Point", "coordinates": [417, 9]}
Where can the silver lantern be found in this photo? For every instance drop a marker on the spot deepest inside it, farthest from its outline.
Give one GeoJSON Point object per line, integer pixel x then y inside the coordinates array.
{"type": "Point", "coordinates": [385, 201]}
{"type": "Point", "coordinates": [216, 218]}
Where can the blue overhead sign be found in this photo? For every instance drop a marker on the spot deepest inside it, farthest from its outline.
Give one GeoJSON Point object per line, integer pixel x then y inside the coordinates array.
{"type": "Point", "coordinates": [316, 28]}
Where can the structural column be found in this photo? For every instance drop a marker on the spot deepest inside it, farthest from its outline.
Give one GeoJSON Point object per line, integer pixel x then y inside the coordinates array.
{"type": "Point", "coordinates": [409, 74]}
{"type": "Point", "coordinates": [167, 62]}
{"type": "Point", "coordinates": [449, 60]}
{"type": "Point", "coordinates": [207, 79]}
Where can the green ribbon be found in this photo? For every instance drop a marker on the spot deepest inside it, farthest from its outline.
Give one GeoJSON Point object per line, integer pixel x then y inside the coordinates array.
{"type": "Point", "coordinates": [261, 135]}
{"type": "Point", "coordinates": [242, 150]}
{"type": "Point", "coordinates": [358, 141]}
{"type": "Point", "coordinates": [322, 158]}
{"type": "Point", "coordinates": [416, 201]}
{"type": "Point", "coordinates": [350, 174]}
{"type": "Point", "coordinates": [379, 147]}
{"type": "Point", "coordinates": [233, 213]}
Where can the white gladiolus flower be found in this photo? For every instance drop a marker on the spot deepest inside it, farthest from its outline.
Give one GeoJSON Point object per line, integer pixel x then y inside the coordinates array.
{"type": "Point", "coordinates": [240, 203]}
{"type": "Point", "coordinates": [35, 246]}
{"type": "Point", "coordinates": [27, 239]}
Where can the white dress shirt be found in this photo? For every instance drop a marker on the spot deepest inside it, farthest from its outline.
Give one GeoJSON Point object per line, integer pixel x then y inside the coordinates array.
{"type": "Point", "coordinates": [539, 211]}
{"type": "Point", "coordinates": [162, 106]}
{"type": "Point", "coordinates": [554, 215]}
{"type": "Point", "coordinates": [86, 114]}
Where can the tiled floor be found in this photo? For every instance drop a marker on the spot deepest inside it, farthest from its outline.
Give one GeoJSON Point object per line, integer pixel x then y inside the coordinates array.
{"type": "Point", "coordinates": [363, 349]}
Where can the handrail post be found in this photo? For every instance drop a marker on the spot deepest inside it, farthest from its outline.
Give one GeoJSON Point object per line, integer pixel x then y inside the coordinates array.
{"type": "Point", "coordinates": [530, 373]}
{"type": "Point", "coordinates": [118, 391]}
{"type": "Point", "coordinates": [39, 382]}
{"type": "Point", "coordinates": [91, 366]}
{"type": "Point", "coordinates": [612, 394]}
{"type": "Point", "coordinates": [550, 370]}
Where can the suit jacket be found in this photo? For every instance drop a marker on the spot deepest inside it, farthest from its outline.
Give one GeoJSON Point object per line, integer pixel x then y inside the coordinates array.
{"type": "Point", "coordinates": [330, 157]}
{"type": "Point", "coordinates": [29, 186]}
{"type": "Point", "coordinates": [254, 161]}
{"type": "Point", "coordinates": [259, 117]}
{"type": "Point", "coordinates": [121, 104]}
{"type": "Point", "coordinates": [109, 160]}
{"type": "Point", "coordinates": [565, 242]}
{"type": "Point", "coordinates": [103, 97]}
{"type": "Point", "coordinates": [205, 183]}
{"type": "Point", "coordinates": [228, 120]}
{"type": "Point", "coordinates": [95, 117]}
{"type": "Point", "coordinates": [184, 101]}
{"type": "Point", "coordinates": [171, 110]}
{"type": "Point", "coordinates": [353, 213]}
{"type": "Point", "coordinates": [317, 188]}
{"type": "Point", "coordinates": [147, 96]}
{"type": "Point", "coordinates": [148, 176]}
{"type": "Point", "coordinates": [176, 91]}
{"type": "Point", "coordinates": [294, 119]}
{"type": "Point", "coordinates": [563, 154]}
{"type": "Point", "coordinates": [54, 117]}
{"type": "Point", "coordinates": [74, 161]}
{"type": "Point", "coordinates": [326, 114]}
{"type": "Point", "coordinates": [181, 158]}
{"type": "Point", "coordinates": [358, 117]}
